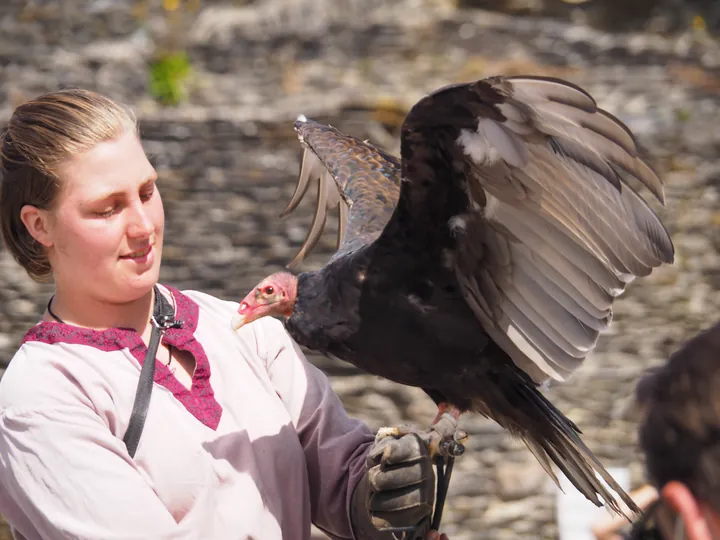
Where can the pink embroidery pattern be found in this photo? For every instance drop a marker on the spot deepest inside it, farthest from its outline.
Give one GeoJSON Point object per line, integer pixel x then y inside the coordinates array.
{"type": "Point", "coordinates": [199, 400]}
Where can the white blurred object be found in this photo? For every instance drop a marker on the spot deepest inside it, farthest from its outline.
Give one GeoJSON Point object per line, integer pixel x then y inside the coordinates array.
{"type": "Point", "coordinates": [575, 514]}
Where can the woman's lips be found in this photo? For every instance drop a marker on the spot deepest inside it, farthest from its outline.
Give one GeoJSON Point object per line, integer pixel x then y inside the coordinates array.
{"type": "Point", "coordinates": [140, 255]}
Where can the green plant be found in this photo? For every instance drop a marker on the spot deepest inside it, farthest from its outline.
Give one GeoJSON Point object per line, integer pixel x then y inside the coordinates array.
{"type": "Point", "coordinates": [168, 77]}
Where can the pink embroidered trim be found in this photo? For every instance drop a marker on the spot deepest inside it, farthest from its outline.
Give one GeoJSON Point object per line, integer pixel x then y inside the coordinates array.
{"type": "Point", "coordinates": [199, 400]}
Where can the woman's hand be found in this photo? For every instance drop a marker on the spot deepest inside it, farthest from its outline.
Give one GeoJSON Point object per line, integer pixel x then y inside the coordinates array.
{"type": "Point", "coordinates": [397, 493]}
{"type": "Point", "coordinates": [401, 483]}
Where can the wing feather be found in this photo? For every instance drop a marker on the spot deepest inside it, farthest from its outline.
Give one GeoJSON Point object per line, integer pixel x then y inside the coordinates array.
{"type": "Point", "coordinates": [310, 169]}
{"type": "Point", "coordinates": [574, 337]}
{"type": "Point", "coordinates": [553, 231]}
{"type": "Point", "coordinates": [329, 196]}
{"type": "Point", "coordinates": [358, 178]}
{"type": "Point", "coordinates": [565, 295]}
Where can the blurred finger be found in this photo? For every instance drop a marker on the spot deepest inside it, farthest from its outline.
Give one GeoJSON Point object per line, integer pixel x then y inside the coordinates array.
{"type": "Point", "coordinates": [406, 449]}
{"type": "Point", "coordinates": [382, 479]}
{"type": "Point", "coordinates": [406, 501]}
{"type": "Point", "coordinates": [403, 519]}
{"type": "Point", "coordinates": [377, 450]}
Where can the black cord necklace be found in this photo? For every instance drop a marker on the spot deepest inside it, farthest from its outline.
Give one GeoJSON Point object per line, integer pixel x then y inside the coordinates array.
{"type": "Point", "coordinates": [58, 319]}
{"type": "Point", "coordinates": [50, 311]}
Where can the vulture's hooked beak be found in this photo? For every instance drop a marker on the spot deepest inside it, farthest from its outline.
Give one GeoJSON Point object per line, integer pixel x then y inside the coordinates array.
{"type": "Point", "coordinates": [248, 312]}
{"type": "Point", "coordinates": [237, 322]}
{"type": "Point", "coordinates": [245, 314]}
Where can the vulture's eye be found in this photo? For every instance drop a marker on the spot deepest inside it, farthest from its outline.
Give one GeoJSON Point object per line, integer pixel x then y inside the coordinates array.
{"type": "Point", "coordinates": [268, 290]}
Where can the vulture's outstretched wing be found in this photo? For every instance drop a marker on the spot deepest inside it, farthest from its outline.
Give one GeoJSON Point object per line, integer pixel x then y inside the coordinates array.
{"type": "Point", "coordinates": [358, 178]}
{"type": "Point", "coordinates": [531, 176]}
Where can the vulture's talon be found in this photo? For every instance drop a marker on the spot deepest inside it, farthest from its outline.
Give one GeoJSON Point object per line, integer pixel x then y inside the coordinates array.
{"type": "Point", "coordinates": [461, 437]}
{"type": "Point", "coordinates": [443, 439]}
{"type": "Point", "coordinates": [396, 432]}
{"type": "Point", "coordinates": [387, 432]}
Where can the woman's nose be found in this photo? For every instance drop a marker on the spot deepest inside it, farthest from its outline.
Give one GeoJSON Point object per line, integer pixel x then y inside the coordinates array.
{"type": "Point", "coordinates": [140, 224]}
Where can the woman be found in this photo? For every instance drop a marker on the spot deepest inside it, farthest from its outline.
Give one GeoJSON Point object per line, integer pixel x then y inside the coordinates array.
{"type": "Point", "coordinates": [243, 437]}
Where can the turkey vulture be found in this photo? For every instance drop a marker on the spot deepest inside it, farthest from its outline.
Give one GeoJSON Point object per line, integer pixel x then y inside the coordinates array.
{"type": "Point", "coordinates": [482, 263]}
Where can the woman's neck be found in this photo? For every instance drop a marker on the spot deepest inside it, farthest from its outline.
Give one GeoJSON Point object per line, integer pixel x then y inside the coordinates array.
{"type": "Point", "coordinates": [88, 311]}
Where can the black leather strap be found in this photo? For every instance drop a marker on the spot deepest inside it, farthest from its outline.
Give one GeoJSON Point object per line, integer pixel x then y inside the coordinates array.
{"type": "Point", "coordinates": [163, 318]}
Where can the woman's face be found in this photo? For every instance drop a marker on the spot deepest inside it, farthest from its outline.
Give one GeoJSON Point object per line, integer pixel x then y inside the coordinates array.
{"type": "Point", "coordinates": [107, 227]}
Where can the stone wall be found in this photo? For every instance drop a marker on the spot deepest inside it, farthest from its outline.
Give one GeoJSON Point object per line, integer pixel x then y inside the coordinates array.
{"type": "Point", "coordinates": [227, 159]}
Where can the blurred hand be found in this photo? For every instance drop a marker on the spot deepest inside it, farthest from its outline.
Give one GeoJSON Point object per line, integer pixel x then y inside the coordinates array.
{"type": "Point", "coordinates": [434, 535]}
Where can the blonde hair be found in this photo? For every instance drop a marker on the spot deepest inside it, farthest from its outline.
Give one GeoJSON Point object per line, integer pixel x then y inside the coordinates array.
{"type": "Point", "coordinates": [42, 134]}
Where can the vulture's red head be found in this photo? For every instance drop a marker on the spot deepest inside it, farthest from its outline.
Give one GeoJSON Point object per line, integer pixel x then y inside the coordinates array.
{"type": "Point", "coordinates": [274, 295]}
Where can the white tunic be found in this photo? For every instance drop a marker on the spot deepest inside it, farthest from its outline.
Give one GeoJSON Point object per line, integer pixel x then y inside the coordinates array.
{"type": "Point", "coordinates": [258, 448]}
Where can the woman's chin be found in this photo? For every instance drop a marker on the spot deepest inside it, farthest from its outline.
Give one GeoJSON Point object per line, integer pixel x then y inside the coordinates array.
{"type": "Point", "coordinates": [141, 284]}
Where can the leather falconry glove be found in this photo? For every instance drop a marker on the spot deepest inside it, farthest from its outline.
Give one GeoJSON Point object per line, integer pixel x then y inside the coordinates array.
{"type": "Point", "coordinates": [397, 493]}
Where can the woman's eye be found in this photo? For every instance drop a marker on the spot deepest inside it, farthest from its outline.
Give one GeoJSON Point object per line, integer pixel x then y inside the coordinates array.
{"type": "Point", "coordinates": [107, 213]}
{"type": "Point", "coordinates": [147, 194]}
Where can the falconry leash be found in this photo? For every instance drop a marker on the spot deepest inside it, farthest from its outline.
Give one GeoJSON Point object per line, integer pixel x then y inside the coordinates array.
{"type": "Point", "coordinates": [163, 318]}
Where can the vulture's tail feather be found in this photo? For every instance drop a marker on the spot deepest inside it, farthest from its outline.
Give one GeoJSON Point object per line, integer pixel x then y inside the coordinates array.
{"type": "Point", "coordinates": [554, 438]}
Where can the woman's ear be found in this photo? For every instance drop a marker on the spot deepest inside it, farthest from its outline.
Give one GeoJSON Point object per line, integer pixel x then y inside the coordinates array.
{"type": "Point", "coordinates": [36, 221]}
{"type": "Point", "coordinates": [679, 498]}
